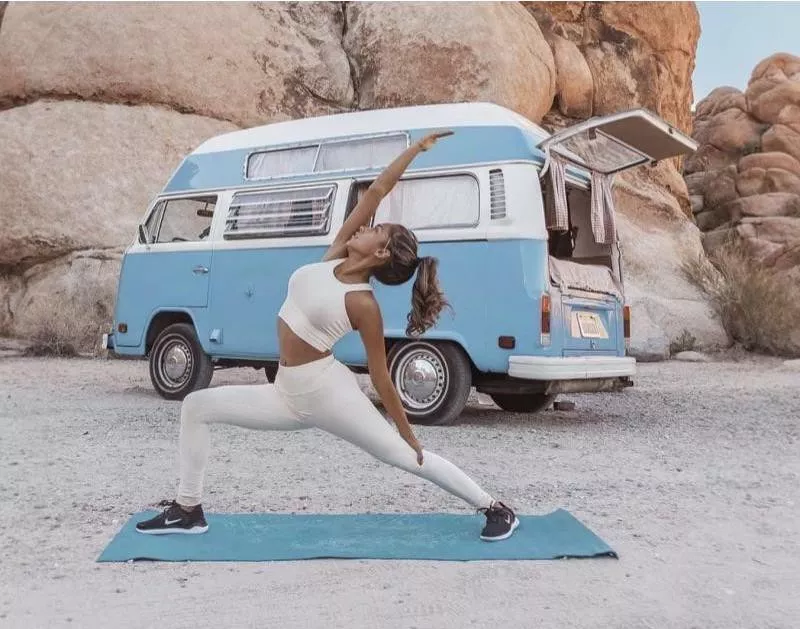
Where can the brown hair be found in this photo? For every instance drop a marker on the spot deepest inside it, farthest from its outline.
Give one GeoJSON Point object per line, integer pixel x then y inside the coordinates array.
{"type": "Point", "coordinates": [427, 298]}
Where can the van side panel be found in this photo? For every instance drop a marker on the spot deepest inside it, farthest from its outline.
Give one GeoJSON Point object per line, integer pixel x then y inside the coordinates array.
{"type": "Point", "coordinates": [494, 289]}
{"type": "Point", "coordinates": [248, 288]}
{"type": "Point", "coordinates": [155, 280]}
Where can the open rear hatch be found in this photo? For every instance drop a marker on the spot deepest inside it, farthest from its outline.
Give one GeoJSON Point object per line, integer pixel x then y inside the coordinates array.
{"type": "Point", "coordinates": [611, 144]}
{"type": "Point", "coordinates": [591, 295]}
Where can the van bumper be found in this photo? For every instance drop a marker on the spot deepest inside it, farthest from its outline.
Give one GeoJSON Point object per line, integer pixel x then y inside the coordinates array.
{"type": "Point", "coordinates": [107, 341]}
{"type": "Point", "coordinates": [550, 368]}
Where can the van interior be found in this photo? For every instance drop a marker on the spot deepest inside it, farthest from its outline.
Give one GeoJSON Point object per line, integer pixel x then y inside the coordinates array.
{"type": "Point", "coordinates": [577, 261]}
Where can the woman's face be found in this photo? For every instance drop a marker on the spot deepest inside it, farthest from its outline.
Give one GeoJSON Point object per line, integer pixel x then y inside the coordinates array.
{"type": "Point", "coordinates": [369, 241]}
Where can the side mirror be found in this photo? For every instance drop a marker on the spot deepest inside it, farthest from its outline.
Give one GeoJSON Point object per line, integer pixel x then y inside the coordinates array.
{"type": "Point", "coordinates": [142, 235]}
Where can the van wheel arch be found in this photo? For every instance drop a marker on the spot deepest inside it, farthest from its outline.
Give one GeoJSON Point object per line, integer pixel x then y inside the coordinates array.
{"type": "Point", "coordinates": [160, 322]}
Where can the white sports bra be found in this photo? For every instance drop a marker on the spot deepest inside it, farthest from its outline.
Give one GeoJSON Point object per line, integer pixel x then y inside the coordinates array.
{"type": "Point", "coordinates": [314, 307]}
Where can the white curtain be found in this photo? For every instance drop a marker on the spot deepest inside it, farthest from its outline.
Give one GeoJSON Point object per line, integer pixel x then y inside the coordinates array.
{"type": "Point", "coordinates": [283, 162]}
{"type": "Point", "coordinates": [429, 203]}
{"type": "Point", "coordinates": [362, 154]}
{"type": "Point", "coordinates": [604, 226]}
{"type": "Point", "coordinates": [556, 211]}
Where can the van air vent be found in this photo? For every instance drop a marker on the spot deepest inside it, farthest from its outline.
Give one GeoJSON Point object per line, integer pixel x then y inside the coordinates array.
{"type": "Point", "coordinates": [497, 193]}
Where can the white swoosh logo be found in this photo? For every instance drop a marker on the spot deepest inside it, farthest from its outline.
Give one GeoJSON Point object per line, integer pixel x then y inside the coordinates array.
{"type": "Point", "coordinates": [170, 522]}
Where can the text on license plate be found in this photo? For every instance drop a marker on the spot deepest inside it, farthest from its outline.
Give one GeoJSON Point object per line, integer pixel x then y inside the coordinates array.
{"type": "Point", "coordinates": [588, 325]}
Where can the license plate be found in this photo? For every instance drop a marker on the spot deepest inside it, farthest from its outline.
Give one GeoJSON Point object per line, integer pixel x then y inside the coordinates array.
{"type": "Point", "coordinates": [589, 326]}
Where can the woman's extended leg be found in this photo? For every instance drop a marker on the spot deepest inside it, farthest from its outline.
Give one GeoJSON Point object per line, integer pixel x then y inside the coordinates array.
{"type": "Point", "coordinates": [258, 407]}
{"type": "Point", "coordinates": [342, 409]}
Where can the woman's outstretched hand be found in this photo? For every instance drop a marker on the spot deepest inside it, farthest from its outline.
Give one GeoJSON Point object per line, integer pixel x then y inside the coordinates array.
{"type": "Point", "coordinates": [411, 440]}
{"type": "Point", "coordinates": [429, 140]}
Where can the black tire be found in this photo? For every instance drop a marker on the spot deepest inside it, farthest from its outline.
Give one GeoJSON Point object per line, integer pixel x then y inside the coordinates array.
{"type": "Point", "coordinates": [271, 370]}
{"type": "Point", "coordinates": [523, 402]}
{"type": "Point", "coordinates": [449, 380]}
{"type": "Point", "coordinates": [178, 364]}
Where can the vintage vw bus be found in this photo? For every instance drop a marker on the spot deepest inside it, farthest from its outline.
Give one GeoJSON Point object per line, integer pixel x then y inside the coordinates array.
{"type": "Point", "coordinates": [522, 222]}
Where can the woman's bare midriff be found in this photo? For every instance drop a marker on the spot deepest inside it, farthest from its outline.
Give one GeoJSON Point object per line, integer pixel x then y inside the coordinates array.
{"type": "Point", "coordinates": [294, 350]}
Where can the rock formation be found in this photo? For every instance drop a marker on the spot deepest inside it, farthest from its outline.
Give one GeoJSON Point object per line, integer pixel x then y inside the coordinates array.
{"type": "Point", "coordinates": [744, 180]}
{"type": "Point", "coordinates": [98, 103]}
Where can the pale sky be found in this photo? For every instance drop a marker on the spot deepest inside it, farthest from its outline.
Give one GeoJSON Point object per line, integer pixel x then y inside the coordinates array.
{"type": "Point", "coordinates": [735, 36]}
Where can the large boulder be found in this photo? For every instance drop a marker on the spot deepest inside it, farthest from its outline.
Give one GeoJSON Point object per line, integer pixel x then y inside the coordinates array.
{"type": "Point", "coordinates": [86, 194]}
{"type": "Point", "coordinates": [574, 81]}
{"type": "Point", "coordinates": [225, 61]}
{"type": "Point", "coordinates": [745, 177]}
{"type": "Point", "coordinates": [774, 84]}
{"type": "Point", "coordinates": [640, 54]}
{"type": "Point", "coordinates": [432, 53]}
{"type": "Point", "coordinates": [731, 131]}
{"type": "Point", "coordinates": [764, 205]}
{"type": "Point", "coordinates": [768, 160]}
{"type": "Point", "coordinates": [657, 243]}
{"type": "Point", "coordinates": [720, 99]}
{"type": "Point", "coordinates": [784, 135]}
{"type": "Point", "coordinates": [77, 204]}
{"type": "Point", "coordinates": [80, 283]}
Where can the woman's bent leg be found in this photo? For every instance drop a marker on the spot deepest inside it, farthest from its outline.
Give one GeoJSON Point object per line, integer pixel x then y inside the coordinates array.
{"type": "Point", "coordinates": [258, 407]}
{"type": "Point", "coordinates": [344, 411]}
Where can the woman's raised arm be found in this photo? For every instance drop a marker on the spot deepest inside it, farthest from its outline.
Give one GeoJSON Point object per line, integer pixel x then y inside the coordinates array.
{"type": "Point", "coordinates": [368, 204]}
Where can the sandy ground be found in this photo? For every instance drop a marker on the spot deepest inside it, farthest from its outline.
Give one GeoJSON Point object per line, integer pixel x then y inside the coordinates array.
{"type": "Point", "coordinates": [692, 476]}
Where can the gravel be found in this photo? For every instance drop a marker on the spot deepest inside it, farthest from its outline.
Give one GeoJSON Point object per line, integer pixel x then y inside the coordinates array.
{"type": "Point", "coordinates": [691, 475]}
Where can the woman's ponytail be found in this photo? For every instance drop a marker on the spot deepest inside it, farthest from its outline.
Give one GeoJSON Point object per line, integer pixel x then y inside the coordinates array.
{"type": "Point", "coordinates": [427, 298]}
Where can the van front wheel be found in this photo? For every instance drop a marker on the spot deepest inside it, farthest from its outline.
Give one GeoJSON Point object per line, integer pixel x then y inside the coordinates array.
{"type": "Point", "coordinates": [178, 364]}
{"type": "Point", "coordinates": [433, 380]}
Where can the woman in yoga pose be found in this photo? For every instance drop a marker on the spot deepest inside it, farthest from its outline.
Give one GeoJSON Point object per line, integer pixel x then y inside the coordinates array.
{"type": "Point", "coordinates": [312, 390]}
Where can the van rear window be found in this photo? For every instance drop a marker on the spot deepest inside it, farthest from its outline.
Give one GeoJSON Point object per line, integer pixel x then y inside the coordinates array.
{"type": "Point", "coordinates": [288, 212]}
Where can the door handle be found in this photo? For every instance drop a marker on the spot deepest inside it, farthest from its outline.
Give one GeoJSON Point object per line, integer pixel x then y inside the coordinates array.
{"type": "Point", "coordinates": [200, 270]}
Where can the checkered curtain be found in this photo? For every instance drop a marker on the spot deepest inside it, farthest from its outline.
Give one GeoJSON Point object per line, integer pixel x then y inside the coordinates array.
{"type": "Point", "coordinates": [557, 214]}
{"type": "Point", "coordinates": [604, 226]}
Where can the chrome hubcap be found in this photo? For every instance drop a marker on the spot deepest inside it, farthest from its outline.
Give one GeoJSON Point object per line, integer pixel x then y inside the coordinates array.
{"type": "Point", "coordinates": [175, 365]}
{"type": "Point", "coordinates": [421, 379]}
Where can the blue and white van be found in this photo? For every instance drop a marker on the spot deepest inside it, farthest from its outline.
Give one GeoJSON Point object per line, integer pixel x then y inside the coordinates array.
{"type": "Point", "coordinates": [522, 223]}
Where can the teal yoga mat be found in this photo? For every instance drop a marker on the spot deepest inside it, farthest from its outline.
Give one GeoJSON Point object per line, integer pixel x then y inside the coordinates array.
{"type": "Point", "coordinates": [428, 536]}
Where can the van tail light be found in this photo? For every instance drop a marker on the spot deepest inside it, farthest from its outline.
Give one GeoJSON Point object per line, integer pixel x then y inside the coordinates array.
{"type": "Point", "coordinates": [626, 325]}
{"type": "Point", "coordinates": [545, 310]}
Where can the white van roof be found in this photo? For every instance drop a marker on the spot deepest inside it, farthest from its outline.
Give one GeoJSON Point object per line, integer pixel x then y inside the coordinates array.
{"type": "Point", "coordinates": [371, 122]}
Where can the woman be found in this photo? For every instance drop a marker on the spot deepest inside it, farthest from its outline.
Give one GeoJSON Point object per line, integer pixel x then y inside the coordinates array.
{"type": "Point", "coordinates": [325, 301]}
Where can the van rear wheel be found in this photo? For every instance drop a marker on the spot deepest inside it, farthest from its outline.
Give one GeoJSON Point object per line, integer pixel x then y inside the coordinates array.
{"type": "Point", "coordinates": [432, 379]}
{"type": "Point", "coordinates": [178, 364]}
{"type": "Point", "coordinates": [523, 402]}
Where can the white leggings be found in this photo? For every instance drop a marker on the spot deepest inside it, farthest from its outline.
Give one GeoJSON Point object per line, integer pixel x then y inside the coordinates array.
{"type": "Point", "coordinates": [322, 394]}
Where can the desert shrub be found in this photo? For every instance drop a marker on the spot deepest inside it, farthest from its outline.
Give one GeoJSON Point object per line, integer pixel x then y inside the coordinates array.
{"type": "Point", "coordinates": [686, 342]}
{"type": "Point", "coordinates": [72, 328]}
{"type": "Point", "coordinates": [757, 308]}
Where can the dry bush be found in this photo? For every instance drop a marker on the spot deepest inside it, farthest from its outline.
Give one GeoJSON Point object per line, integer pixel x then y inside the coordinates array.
{"type": "Point", "coordinates": [72, 328]}
{"type": "Point", "coordinates": [758, 309]}
{"type": "Point", "coordinates": [686, 342]}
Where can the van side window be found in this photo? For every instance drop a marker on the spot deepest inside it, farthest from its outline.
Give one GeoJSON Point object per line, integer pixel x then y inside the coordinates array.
{"type": "Point", "coordinates": [282, 162]}
{"type": "Point", "coordinates": [432, 202]}
{"type": "Point", "coordinates": [181, 220]}
{"type": "Point", "coordinates": [153, 221]}
{"type": "Point", "coordinates": [367, 153]}
{"type": "Point", "coordinates": [288, 212]}
{"type": "Point", "coordinates": [332, 155]}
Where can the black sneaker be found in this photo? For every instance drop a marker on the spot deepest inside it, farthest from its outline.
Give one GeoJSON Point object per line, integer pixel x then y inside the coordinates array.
{"type": "Point", "coordinates": [175, 520]}
{"type": "Point", "coordinates": [500, 523]}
